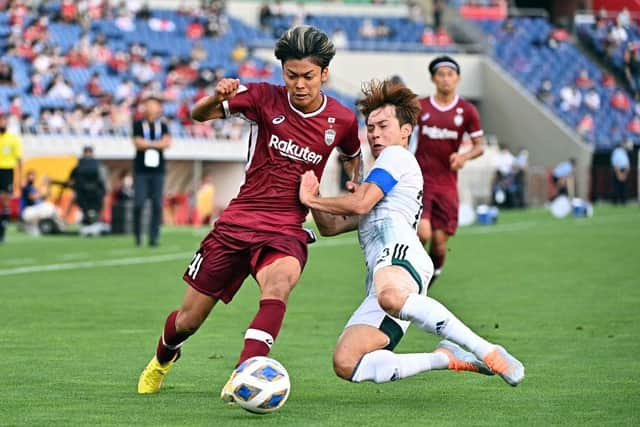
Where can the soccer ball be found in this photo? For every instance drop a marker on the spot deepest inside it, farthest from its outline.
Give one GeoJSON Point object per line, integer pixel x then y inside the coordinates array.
{"type": "Point", "coordinates": [260, 385]}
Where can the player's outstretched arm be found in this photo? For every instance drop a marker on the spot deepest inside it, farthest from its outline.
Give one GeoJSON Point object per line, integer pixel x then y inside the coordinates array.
{"type": "Point", "coordinates": [210, 107]}
{"type": "Point", "coordinates": [331, 225]}
{"type": "Point", "coordinates": [353, 168]}
{"type": "Point", "coordinates": [360, 202]}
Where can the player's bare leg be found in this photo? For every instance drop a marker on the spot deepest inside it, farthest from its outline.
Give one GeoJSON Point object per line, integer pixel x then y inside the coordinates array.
{"type": "Point", "coordinates": [438, 252]}
{"type": "Point", "coordinates": [276, 280]}
{"type": "Point", "coordinates": [424, 231]}
{"type": "Point", "coordinates": [179, 326]}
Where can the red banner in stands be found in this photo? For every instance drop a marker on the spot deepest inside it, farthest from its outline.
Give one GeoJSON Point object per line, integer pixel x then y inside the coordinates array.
{"type": "Point", "coordinates": [616, 5]}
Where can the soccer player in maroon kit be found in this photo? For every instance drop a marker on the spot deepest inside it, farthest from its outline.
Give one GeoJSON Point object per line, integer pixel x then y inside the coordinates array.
{"type": "Point", "coordinates": [294, 128]}
{"type": "Point", "coordinates": [444, 118]}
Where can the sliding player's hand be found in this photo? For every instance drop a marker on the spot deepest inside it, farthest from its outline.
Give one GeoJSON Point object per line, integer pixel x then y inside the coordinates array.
{"type": "Point", "coordinates": [309, 187]}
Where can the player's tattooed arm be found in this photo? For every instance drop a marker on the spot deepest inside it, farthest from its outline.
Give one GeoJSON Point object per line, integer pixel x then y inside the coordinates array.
{"type": "Point", "coordinates": [353, 167]}
{"type": "Point", "coordinates": [210, 107]}
{"type": "Point", "coordinates": [331, 225]}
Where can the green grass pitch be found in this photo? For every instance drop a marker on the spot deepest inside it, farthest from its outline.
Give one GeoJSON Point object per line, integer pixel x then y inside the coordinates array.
{"type": "Point", "coordinates": [81, 317]}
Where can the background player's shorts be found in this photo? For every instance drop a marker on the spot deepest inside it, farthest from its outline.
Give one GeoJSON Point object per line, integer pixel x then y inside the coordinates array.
{"type": "Point", "coordinates": [370, 313]}
{"type": "Point", "coordinates": [441, 208]}
{"type": "Point", "coordinates": [229, 254]}
{"type": "Point", "coordinates": [6, 180]}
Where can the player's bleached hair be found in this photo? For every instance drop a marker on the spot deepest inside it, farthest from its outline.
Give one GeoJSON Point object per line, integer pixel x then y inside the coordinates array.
{"type": "Point", "coordinates": [305, 42]}
{"type": "Point", "coordinates": [377, 94]}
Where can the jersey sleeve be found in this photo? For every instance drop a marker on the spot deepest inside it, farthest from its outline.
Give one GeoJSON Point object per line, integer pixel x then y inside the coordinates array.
{"type": "Point", "coordinates": [246, 102]}
{"type": "Point", "coordinates": [350, 144]}
{"type": "Point", "coordinates": [387, 169]}
{"type": "Point", "coordinates": [474, 127]}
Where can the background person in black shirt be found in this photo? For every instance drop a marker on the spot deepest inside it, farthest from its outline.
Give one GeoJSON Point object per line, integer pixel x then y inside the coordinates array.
{"type": "Point", "coordinates": [150, 137]}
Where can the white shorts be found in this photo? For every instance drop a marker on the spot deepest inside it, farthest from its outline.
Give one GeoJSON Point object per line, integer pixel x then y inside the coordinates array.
{"type": "Point", "coordinates": [33, 214]}
{"type": "Point", "coordinates": [412, 258]}
{"type": "Point", "coordinates": [370, 313]}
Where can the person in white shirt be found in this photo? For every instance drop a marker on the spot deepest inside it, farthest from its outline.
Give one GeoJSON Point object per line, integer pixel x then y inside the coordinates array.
{"type": "Point", "coordinates": [621, 165]}
{"type": "Point", "coordinates": [386, 209]}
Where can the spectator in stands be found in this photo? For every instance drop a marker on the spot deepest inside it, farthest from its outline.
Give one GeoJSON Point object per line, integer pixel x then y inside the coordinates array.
{"type": "Point", "coordinates": [545, 92]}
{"type": "Point", "coordinates": [562, 177]}
{"type": "Point", "coordinates": [616, 36]}
{"type": "Point", "coordinates": [592, 100]}
{"type": "Point", "coordinates": [608, 81]}
{"type": "Point", "coordinates": [60, 88]}
{"type": "Point", "coordinates": [634, 125]}
{"type": "Point", "coordinates": [99, 51]}
{"type": "Point", "coordinates": [240, 52]}
{"type": "Point", "coordinates": [632, 68]}
{"type": "Point", "coordinates": [436, 9]}
{"type": "Point", "coordinates": [195, 29]}
{"type": "Point", "coordinates": [36, 87]}
{"type": "Point", "coordinates": [620, 101]}
{"type": "Point", "coordinates": [339, 39]}
{"type": "Point", "coordinates": [585, 126]}
{"type": "Point", "coordinates": [124, 90]}
{"type": "Point", "coordinates": [151, 138]}
{"type": "Point", "coordinates": [119, 63]}
{"type": "Point", "coordinates": [68, 11]}
{"type": "Point", "coordinates": [571, 98]}
{"type": "Point", "coordinates": [76, 58]}
{"type": "Point", "coordinates": [583, 81]}
{"type": "Point", "coordinates": [621, 165]}
{"type": "Point", "coordinates": [367, 30]}
{"type": "Point", "coordinates": [198, 52]}
{"type": "Point", "coordinates": [264, 17]}
{"type": "Point", "coordinates": [624, 18]}
{"type": "Point", "coordinates": [6, 74]}
{"type": "Point", "coordinates": [93, 87]}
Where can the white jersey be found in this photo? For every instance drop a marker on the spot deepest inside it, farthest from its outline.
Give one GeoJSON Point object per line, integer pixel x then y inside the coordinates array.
{"type": "Point", "coordinates": [388, 233]}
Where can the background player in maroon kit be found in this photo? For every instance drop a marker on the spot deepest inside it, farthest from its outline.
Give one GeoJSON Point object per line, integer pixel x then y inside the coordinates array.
{"type": "Point", "coordinates": [444, 119]}
{"type": "Point", "coordinates": [294, 128]}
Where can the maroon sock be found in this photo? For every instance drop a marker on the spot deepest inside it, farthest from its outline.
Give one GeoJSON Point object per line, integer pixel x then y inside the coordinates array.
{"type": "Point", "coordinates": [263, 330]}
{"type": "Point", "coordinates": [438, 261]}
{"type": "Point", "coordinates": [170, 341]}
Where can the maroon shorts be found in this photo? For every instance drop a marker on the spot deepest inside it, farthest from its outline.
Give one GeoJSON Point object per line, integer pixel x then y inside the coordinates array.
{"type": "Point", "coordinates": [441, 208]}
{"type": "Point", "coordinates": [229, 254]}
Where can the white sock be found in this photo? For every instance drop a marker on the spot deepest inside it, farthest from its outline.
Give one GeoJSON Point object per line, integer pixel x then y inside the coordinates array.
{"type": "Point", "coordinates": [431, 316]}
{"type": "Point", "coordinates": [382, 366]}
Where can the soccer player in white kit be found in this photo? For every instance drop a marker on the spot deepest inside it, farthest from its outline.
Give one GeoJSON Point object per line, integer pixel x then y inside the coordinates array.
{"type": "Point", "coordinates": [386, 209]}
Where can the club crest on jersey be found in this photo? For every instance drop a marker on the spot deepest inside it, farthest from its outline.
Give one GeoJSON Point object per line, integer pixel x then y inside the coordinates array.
{"type": "Point", "coordinates": [278, 119]}
{"type": "Point", "coordinates": [425, 117]}
{"type": "Point", "coordinates": [457, 120]}
{"type": "Point", "coordinates": [329, 136]}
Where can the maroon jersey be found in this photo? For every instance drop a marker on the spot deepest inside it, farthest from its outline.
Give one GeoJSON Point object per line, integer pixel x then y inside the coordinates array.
{"type": "Point", "coordinates": [284, 143]}
{"type": "Point", "coordinates": [440, 132]}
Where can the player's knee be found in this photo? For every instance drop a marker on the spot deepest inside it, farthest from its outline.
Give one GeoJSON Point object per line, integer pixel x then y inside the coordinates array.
{"type": "Point", "coordinates": [188, 321]}
{"type": "Point", "coordinates": [344, 365]}
{"type": "Point", "coordinates": [391, 300]}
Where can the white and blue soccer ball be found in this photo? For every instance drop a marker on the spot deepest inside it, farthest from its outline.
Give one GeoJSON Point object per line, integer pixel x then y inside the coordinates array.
{"type": "Point", "coordinates": [261, 385]}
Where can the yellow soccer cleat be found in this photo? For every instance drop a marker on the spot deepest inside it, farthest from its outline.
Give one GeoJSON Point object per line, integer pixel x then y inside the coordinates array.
{"type": "Point", "coordinates": [226, 395]}
{"type": "Point", "coordinates": [151, 378]}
